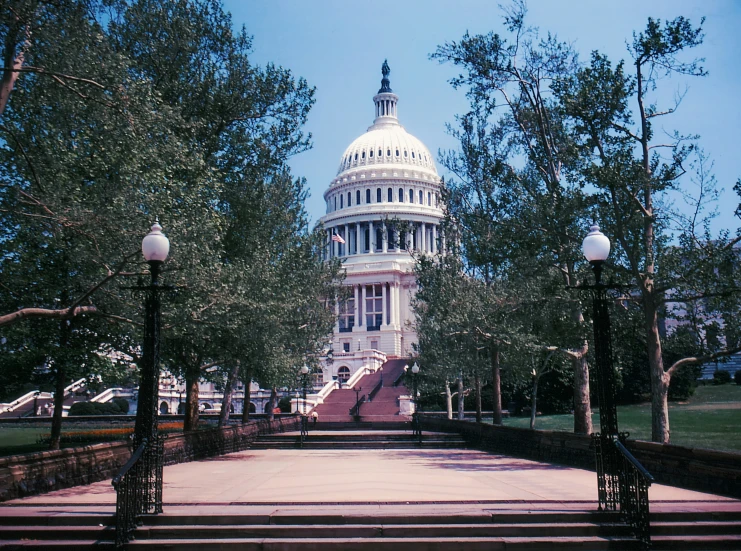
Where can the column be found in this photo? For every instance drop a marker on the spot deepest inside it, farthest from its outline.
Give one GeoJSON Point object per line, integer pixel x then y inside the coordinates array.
{"type": "Point", "coordinates": [394, 302]}
{"type": "Point", "coordinates": [361, 306]}
{"type": "Point", "coordinates": [434, 238]}
{"type": "Point", "coordinates": [383, 304]}
{"type": "Point", "coordinates": [385, 237]}
{"type": "Point", "coordinates": [356, 294]}
{"type": "Point", "coordinates": [423, 235]}
{"type": "Point", "coordinates": [371, 238]}
{"type": "Point", "coordinates": [347, 240]}
{"type": "Point", "coordinates": [358, 242]}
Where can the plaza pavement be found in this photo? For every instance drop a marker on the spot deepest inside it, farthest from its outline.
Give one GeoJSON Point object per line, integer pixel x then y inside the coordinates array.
{"type": "Point", "coordinates": [370, 479]}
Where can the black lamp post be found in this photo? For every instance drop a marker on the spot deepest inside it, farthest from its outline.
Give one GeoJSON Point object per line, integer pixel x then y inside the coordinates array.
{"type": "Point", "coordinates": [416, 421]}
{"type": "Point", "coordinates": [596, 248]}
{"type": "Point", "coordinates": [155, 247]}
{"type": "Point", "coordinates": [357, 401]}
{"type": "Point", "coordinates": [304, 418]}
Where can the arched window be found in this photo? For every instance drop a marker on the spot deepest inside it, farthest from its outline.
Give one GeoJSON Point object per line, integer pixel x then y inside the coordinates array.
{"type": "Point", "coordinates": [380, 153]}
{"type": "Point", "coordinates": [343, 374]}
{"type": "Point", "coordinates": [317, 377]}
{"type": "Point", "coordinates": [362, 156]}
{"type": "Point", "coordinates": [411, 196]}
{"type": "Point", "coordinates": [342, 197]}
{"type": "Point", "coordinates": [356, 156]}
{"type": "Point", "coordinates": [164, 408]}
{"type": "Point", "coordinates": [335, 202]}
{"type": "Point", "coordinates": [367, 196]}
{"type": "Point", "coordinates": [401, 195]}
{"type": "Point", "coordinates": [412, 154]}
{"type": "Point", "coordinates": [391, 195]}
{"type": "Point", "coordinates": [379, 239]}
{"type": "Point", "coordinates": [349, 199]}
{"type": "Point", "coordinates": [357, 197]}
{"type": "Point", "coordinates": [429, 198]}
{"type": "Point", "coordinates": [405, 153]}
{"type": "Point", "coordinates": [378, 195]}
{"type": "Point", "coordinates": [370, 153]}
{"type": "Point", "coordinates": [388, 153]}
{"type": "Point", "coordinates": [397, 152]}
{"type": "Point", "coordinates": [421, 198]}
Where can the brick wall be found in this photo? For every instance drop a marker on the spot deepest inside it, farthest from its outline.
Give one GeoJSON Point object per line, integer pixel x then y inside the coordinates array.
{"type": "Point", "coordinates": [691, 468]}
{"type": "Point", "coordinates": [36, 473]}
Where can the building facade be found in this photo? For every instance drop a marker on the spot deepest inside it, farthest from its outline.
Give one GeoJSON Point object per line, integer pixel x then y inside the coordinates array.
{"type": "Point", "coordinates": [383, 208]}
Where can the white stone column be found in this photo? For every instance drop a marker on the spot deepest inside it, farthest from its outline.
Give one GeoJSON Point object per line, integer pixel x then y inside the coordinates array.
{"type": "Point", "coordinates": [434, 238]}
{"type": "Point", "coordinates": [347, 240]}
{"type": "Point", "coordinates": [383, 304]}
{"type": "Point", "coordinates": [395, 303]}
{"type": "Point", "coordinates": [371, 238]}
{"type": "Point", "coordinates": [423, 235]}
{"type": "Point", "coordinates": [361, 310]}
{"type": "Point", "coordinates": [357, 304]}
{"type": "Point", "coordinates": [358, 241]}
{"type": "Point", "coordinates": [384, 237]}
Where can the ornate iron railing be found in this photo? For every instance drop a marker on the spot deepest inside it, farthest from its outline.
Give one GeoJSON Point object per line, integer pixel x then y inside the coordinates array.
{"type": "Point", "coordinates": [138, 487]}
{"type": "Point", "coordinates": [128, 496]}
{"type": "Point", "coordinates": [634, 483]}
{"type": "Point", "coordinates": [622, 484]}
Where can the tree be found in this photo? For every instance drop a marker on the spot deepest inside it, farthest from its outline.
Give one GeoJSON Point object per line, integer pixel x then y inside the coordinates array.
{"type": "Point", "coordinates": [512, 195]}
{"type": "Point", "coordinates": [670, 257]}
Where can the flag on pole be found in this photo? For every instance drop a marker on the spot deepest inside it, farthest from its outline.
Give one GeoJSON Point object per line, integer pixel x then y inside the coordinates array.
{"type": "Point", "coordinates": [337, 238]}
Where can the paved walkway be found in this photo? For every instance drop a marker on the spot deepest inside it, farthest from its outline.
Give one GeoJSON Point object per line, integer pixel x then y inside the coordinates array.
{"type": "Point", "coordinates": [369, 478]}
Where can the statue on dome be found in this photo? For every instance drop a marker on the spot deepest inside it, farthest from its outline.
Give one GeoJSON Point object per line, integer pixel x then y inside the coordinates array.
{"type": "Point", "coordinates": [385, 83]}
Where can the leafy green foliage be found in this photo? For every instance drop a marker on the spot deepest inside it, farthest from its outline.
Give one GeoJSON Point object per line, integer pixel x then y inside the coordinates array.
{"type": "Point", "coordinates": [97, 408]}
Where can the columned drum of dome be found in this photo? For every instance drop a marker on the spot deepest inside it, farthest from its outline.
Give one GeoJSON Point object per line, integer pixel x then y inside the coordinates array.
{"type": "Point", "coordinates": [382, 207]}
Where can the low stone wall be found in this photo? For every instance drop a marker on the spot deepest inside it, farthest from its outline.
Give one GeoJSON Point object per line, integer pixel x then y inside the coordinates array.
{"type": "Point", "coordinates": [36, 473]}
{"type": "Point", "coordinates": [691, 468]}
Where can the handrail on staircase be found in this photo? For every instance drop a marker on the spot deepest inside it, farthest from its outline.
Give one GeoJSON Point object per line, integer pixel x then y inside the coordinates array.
{"type": "Point", "coordinates": [128, 496]}
{"type": "Point", "coordinates": [634, 483]}
{"type": "Point", "coordinates": [399, 379]}
{"type": "Point", "coordinates": [375, 390]}
{"type": "Point", "coordinates": [355, 410]}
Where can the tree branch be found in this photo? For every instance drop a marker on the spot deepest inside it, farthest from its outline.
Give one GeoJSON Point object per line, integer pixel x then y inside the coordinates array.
{"type": "Point", "coordinates": [701, 359]}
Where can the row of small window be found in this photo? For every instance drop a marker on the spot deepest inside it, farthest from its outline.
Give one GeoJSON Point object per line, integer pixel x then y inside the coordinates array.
{"type": "Point", "coordinates": [350, 158]}
{"type": "Point", "coordinates": [379, 194]}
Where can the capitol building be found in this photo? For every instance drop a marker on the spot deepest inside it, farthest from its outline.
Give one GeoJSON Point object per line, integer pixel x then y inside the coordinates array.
{"type": "Point", "coordinates": [383, 209]}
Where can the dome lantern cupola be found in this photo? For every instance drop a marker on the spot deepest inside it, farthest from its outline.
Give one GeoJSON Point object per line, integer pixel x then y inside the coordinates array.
{"type": "Point", "coordinates": [385, 100]}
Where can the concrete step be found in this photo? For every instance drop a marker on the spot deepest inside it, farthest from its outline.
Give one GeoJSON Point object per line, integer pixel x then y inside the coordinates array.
{"type": "Point", "coordinates": [694, 528]}
{"type": "Point", "coordinates": [390, 544]}
{"type": "Point", "coordinates": [725, 542]}
{"type": "Point", "coordinates": [381, 530]}
{"type": "Point", "coordinates": [372, 445]}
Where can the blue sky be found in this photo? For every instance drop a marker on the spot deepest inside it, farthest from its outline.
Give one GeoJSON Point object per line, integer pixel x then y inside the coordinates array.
{"type": "Point", "coordinates": [338, 46]}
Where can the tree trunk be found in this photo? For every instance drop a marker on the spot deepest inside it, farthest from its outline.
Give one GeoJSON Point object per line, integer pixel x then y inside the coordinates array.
{"type": "Point", "coordinates": [496, 386]}
{"type": "Point", "coordinates": [191, 400]}
{"type": "Point", "coordinates": [271, 404]}
{"type": "Point", "coordinates": [56, 420]}
{"type": "Point", "coordinates": [61, 375]}
{"type": "Point", "coordinates": [582, 405]}
{"type": "Point", "coordinates": [226, 401]}
{"type": "Point", "coordinates": [659, 379]}
{"type": "Point", "coordinates": [448, 399]}
{"type": "Point", "coordinates": [534, 402]}
{"type": "Point", "coordinates": [246, 405]}
{"type": "Point", "coordinates": [477, 385]}
{"type": "Point", "coordinates": [461, 398]}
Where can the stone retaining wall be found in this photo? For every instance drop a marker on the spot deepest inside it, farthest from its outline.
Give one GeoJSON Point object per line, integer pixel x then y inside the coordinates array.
{"type": "Point", "coordinates": [691, 468]}
{"type": "Point", "coordinates": [36, 473]}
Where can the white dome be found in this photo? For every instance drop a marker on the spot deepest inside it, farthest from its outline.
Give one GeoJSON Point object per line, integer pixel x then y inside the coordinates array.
{"type": "Point", "coordinates": [387, 144]}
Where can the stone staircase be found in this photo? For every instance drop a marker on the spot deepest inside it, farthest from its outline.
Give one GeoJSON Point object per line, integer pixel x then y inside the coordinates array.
{"type": "Point", "coordinates": [345, 527]}
{"type": "Point", "coordinates": [358, 439]}
{"type": "Point", "coordinates": [383, 406]}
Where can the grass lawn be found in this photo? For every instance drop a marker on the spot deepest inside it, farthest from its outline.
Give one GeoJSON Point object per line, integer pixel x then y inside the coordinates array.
{"type": "Point", "coordinates": [709, 419]}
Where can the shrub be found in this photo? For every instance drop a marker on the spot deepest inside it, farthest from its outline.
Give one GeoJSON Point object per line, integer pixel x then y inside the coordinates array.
{"type": "Point", "coordinates": [285, 404]}
{"type": "Point", "coordinates": [122, 403]}
{"type": "Point", "coordinates": [721, 377]}
{"type": "Point", "coordinates": [684, 382]}
{"type": "Point", "coordinates": [94, 408]}
{"type": "Point", "coordinates": [737, 377]}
